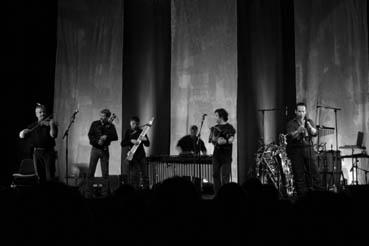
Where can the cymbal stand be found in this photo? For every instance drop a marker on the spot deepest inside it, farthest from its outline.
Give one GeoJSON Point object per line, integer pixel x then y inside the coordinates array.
{"type": "Point", "coordinates": [366, 174]}
{"type": "Point", "coordinates": [354, 169]}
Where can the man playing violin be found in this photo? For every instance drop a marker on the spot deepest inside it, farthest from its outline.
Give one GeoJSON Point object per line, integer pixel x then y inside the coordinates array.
{"type": "Point", "coordinates": [102, 132]}
{"type": "Point", "coordinates": [300, 131]}
{"type": "Point", "coordinates": [222, 136]}
{"type": "Point", "coordinates": [42, 136]}
{"type": "Point", "coordinates": [137, 167]}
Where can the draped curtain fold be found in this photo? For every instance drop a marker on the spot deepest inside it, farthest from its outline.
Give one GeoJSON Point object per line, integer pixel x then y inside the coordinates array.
{"type": "Point", "coordinates": [265, 76]}
{"type": "Point", "coordinates": [88, 76]}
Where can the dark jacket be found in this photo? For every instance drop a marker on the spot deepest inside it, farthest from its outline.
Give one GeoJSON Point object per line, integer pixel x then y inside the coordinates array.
{"type": "Point", "coordinates": [98, 129]}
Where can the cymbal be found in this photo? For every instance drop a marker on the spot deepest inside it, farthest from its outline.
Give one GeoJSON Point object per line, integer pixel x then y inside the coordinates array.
{"type": "Point", "coordinates": [352, 147]}
{"type": "Point", "coordinates": [361, 155]}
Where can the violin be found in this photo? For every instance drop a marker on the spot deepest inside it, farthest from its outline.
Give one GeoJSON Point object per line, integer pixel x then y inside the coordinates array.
{"type": "Point", "coordinates": [39, 123]}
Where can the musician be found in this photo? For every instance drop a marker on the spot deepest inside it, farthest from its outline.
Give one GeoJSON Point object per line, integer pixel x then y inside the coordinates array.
{"type": "Point", "coordinates": [42, 136]}
{"type": "Point", "coordinates": [137, 167]}
{"type": "Point", "coordinates": [300, 132]}
{"type": "Point", "coordinates": [102, 132]}
{"type": "Point", "coordinates": [191, 144]}
{"type": "Point", "coordinates": [222, 136]}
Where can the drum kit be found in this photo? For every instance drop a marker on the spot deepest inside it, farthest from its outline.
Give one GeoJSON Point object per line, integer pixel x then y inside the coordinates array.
{"type": "Point", "coordinates": [330, 162]}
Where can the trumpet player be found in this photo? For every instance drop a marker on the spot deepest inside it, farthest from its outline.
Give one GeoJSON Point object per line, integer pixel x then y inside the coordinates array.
{"type": "Point", "coordinates": [42, 134]}
{"type": "Point", "coordinates": [300, 131]}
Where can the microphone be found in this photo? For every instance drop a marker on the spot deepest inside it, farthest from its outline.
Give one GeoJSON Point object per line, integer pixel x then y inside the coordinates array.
{"type": "Point", "coordinates": [204, 114]}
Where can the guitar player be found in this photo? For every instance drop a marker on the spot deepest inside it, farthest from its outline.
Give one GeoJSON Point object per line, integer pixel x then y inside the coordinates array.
{"type": "Point", "coordinates": [137, 167]}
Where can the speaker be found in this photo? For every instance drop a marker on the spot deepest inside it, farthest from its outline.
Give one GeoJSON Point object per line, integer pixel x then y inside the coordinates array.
{"type": "Point", "coordinates": [99, 187]}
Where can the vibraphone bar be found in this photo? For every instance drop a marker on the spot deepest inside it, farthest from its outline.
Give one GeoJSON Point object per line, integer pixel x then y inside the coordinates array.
{"type": "Point", "coordinates": [163, 167]}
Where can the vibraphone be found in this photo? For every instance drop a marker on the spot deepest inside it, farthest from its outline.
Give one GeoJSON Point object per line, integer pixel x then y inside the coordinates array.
{"type": "Point", "coordinates": [163, 167]}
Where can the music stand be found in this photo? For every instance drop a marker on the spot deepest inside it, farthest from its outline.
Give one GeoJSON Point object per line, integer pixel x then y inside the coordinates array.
{"type": "Point", "coordinates": [66, 136]}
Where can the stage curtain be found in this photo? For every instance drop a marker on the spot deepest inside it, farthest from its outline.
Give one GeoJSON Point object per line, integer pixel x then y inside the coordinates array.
{"type": "Point", "coordinates": [88, 76]}
{"type": "Point", "coordinates": [332, 69]}
{"type": "Point", "coordinates": [146, 70]}
{"type": "Point", "coordinates": [265, 76]}
{"type": "Point", "coordinates": [203, 67]}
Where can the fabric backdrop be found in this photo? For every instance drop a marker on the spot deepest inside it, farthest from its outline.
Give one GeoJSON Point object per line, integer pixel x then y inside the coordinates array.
{"type": "Point", "coordinates": [203, 68]}
{"type": "Point", "coordinates": [88, 76]}
{"type": "Point", "coordinates": [146, 70]}
{"type": "Point", "coordinates": [332, 68]}
{"type": "Point", "coordinates": [265, 75]}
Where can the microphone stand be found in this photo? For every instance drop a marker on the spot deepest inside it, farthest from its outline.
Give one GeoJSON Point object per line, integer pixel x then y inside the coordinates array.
{"type": "Point", "coordinates": [198, 149]}
{"type": "Point", "coordinates": [66, 136]}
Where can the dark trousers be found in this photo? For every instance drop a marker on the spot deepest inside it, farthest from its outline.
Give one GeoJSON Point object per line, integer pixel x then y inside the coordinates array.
{"type": "Point", "coordinates": [138, 173]}
{"type": "Point", "coordinates": [304, 168]}
{"type": "Point", "coordinates": [221, 168]}
{"type": "Point", "coordinates": [44, 163]}
{"type": "Point", "coordinates": [95, 156]}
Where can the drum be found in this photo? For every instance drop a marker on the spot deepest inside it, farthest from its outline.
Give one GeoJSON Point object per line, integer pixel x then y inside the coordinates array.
{"type": "Point", "coordinates": [330, 168]}
{"type": "Point", "coordinates": [329, 161]}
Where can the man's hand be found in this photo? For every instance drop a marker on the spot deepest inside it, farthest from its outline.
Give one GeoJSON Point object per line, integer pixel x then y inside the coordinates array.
{"type": "Point", "coordinates": [301, 129]}
{"type": "Point", "coordinates": [134, 141]}
{"type": "Point", "coordinates": [52, 123]}
{"type": "Point", "coordinates": [24, 132]}
{"type": "Point", "coordinates": [311, 128]}
{"type": "Point", "coordinates": [102, 139]}
{"type": "Point", "coordinates": [221, 141]}
{"type": "Point", "coordinates": [144, 138]}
